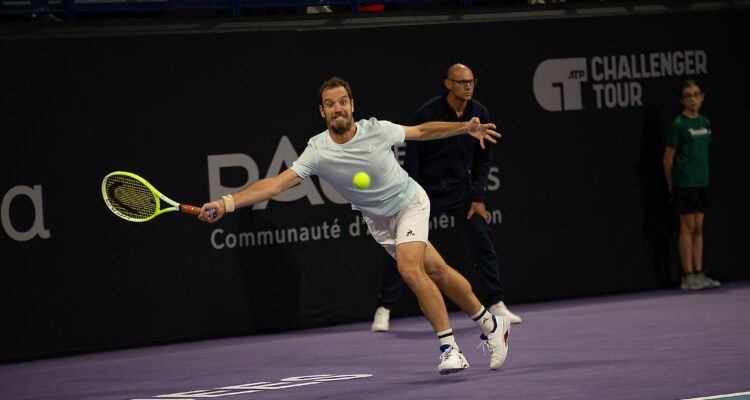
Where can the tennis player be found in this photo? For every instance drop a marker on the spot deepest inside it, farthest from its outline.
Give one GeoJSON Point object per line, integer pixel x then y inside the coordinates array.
{"type": "Point", "coordinates": [395, 208]}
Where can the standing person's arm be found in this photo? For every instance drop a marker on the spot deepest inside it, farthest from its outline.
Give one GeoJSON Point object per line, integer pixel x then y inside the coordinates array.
{"type": "Point", "coordinates": [673, 140]}
{"type": "Point", "coordinates": [668, 163]}
{"type": "Point", "coordinates": [258, 191]}
{"type": "Point", "coordinates": [480, 171]}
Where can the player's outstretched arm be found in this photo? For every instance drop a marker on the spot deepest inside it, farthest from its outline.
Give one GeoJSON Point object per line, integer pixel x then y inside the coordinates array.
{"type": "Point", "coordinates": [440, 130]}
{"type": "Point", "coordinates": [256, 192]}
{"type": "Point", "coordinates": [482, 131]}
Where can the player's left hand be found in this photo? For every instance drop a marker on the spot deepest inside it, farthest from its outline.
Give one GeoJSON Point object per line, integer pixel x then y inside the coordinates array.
{"type": "Point", "coordinates": [482, 131]}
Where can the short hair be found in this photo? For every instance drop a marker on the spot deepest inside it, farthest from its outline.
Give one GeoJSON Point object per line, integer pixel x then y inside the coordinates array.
{"type": "Point", "coordinates": [688, 83]}
{"type": "Point", "coordinates": [331, 83]}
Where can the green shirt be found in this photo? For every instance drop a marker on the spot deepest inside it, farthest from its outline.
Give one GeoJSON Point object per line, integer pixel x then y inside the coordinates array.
{"type": "Point", "coordinates": [690, 137]}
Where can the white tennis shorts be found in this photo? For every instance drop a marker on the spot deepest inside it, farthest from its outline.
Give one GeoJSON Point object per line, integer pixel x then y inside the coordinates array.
{"type": "Point", "coordinates": [408, 225]}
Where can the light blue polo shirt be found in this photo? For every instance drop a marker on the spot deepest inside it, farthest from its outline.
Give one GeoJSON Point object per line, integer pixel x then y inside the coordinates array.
{"type": "Point", "coordinates": [370, 150]}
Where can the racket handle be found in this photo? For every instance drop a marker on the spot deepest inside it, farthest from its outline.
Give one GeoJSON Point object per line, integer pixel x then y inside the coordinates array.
{"type": "Point", "coordinates": [189, 209]}
{"type": "Point", "coordinates": [195, 210]}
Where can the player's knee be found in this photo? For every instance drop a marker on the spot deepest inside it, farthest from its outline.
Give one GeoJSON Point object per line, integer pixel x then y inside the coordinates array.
{"type": "Point", "coordinates": [410, 269]}
{"type": "Point", "coordinates": [412, 276]}
{"type": "Point", "coordinates": [436, 270]}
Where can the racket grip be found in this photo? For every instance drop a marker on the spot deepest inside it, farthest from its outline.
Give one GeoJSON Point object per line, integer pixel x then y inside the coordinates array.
{"type": "Point", "coordinates": [196, 210]}
{"type": "Point", "coordinates": [190, 209]}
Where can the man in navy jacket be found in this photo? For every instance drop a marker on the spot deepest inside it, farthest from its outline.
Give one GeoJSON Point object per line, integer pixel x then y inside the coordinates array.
{"type": "Point", "coordinates": [453, 172]}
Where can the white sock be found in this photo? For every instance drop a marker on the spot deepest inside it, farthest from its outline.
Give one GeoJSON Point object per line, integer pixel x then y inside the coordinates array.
{"type": "Point", "coordinates": [447, 339]}
{"type": "Point", "coordinates": [485, 320]}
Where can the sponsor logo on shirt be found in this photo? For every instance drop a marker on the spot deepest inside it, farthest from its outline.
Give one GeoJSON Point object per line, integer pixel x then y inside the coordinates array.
{"type": "Point", "coordinates": [699, 132]}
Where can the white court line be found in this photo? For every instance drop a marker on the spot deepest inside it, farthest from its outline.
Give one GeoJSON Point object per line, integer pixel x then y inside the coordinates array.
{"type": "Point", "coordinates": [721, 396]}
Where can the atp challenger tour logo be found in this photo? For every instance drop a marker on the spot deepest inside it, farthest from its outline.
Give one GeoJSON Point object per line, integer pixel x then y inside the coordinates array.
{"type": "Point", "coordinates": [614, 80]}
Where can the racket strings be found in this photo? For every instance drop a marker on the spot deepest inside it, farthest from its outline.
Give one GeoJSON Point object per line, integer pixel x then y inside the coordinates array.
{"type": "Point", "coordinates": [130, 197]}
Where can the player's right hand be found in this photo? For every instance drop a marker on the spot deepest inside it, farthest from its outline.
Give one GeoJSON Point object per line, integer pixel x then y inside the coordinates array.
{"type": "Point", "coordinates": [211, 212]}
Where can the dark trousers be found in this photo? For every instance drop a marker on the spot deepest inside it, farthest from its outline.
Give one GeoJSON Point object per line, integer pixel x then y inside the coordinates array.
{"type": "Point", "coordinates": [479, 235]}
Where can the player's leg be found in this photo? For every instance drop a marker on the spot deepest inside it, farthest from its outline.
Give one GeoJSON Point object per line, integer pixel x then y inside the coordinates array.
{"type": "Point", "coordinates": [495, 329]}
{"type": "Point", "coordinates": [411, 229]}
{"type": "Point", "coordinates": [390, 289]}
{"type": "Point", "coordinates": [410, 261]}
{"type": "Point", "coordinates": [450, 281]}
{"type": "Point", "coordinates": [404, 236]}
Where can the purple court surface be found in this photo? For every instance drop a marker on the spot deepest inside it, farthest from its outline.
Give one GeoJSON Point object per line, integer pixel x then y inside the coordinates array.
{"type": "Point", "coordinates": [652, 345]}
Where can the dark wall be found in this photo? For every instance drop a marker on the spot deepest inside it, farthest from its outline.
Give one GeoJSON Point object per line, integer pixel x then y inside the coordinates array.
{"type": "Point", "coordinates": [581, 207]}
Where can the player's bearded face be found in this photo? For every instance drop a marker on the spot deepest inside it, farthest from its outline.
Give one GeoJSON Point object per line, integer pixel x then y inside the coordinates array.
{"type": "Point", "coordinates": [340, 121]}
{"type": "Point", "coordinates": [337, 109]}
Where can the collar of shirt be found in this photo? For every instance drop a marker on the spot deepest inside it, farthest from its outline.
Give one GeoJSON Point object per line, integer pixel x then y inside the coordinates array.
{"type": "Point", "coordinates": [449, 114]}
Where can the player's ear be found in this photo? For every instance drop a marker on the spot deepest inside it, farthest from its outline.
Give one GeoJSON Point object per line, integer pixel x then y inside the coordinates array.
{"type": "Point", "coordinates": [447, 84]}
{"type": "Point", "coordinates": [322, 114]}
{"type": "Point", "coordinates": [352, 106]}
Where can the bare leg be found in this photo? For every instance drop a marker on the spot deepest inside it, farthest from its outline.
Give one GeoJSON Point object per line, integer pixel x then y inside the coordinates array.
{"type": "Point", "coordinates": [410, 258]}
{"type": "Point", "coordinates": [458, 289]}
{"type": "Point", "coordinates": [697, 242]}
{"type": "Point", "coordinates": [685, 242]}
{"type": "Point", "coordinates": [450, 282]}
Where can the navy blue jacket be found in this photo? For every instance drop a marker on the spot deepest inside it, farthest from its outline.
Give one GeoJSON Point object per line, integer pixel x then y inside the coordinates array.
{"type": "Point", "coordinates": [453, 168]}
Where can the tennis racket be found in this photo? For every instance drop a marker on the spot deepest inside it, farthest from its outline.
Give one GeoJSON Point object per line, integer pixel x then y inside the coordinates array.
{"type": "Point", "coordinates": [133, 199]}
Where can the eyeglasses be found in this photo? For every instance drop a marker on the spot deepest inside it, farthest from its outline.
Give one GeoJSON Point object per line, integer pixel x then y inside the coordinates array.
{"type": "Point", "coordinates": [687, 96]}
{"type": "Point", "coordinates": [466, 83]}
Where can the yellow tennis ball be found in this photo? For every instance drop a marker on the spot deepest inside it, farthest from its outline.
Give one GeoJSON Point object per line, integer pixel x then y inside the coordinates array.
{"type": "Point", "coordinates": [361, 180]}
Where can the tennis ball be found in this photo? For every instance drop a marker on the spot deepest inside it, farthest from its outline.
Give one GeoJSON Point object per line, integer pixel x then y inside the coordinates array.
{"type": "Point", "coordinates": [361, 180]}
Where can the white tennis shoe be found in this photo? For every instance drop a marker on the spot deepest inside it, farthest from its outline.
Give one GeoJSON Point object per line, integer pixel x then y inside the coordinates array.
{"type": "Point", "coordinates": [500, 309]}
{"type": "Point", "coordinates": [380, 323]}
{"type": "Point", "coordinates": [707, 282]}
{"type": "Point", "coordinates": [452, 361]}
{"type": "Point", "coordinates": [496, 342]}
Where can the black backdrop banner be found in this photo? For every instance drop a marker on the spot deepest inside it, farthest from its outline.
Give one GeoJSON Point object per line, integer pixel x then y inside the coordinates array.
{"type": "Point", "coordinates": [578, 198]}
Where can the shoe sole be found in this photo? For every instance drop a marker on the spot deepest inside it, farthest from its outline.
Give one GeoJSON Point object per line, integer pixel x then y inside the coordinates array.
{"type": "Point", "coordinates": [379, 328]}
{"type": "Point", "coordinates": [451, 371]}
